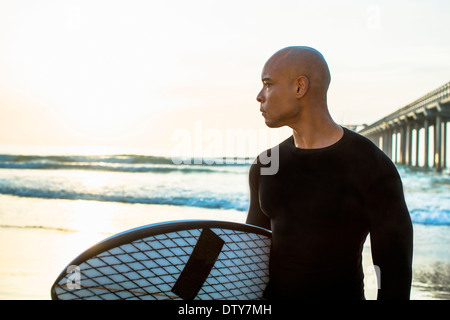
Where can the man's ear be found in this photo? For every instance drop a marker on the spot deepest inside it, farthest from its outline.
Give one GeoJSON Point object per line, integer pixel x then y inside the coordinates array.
{"type": "Point", "coordinates": [302, 86]}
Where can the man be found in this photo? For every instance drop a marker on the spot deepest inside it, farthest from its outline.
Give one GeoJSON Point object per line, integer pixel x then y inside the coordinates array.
{"type": "Point", "coordinates": [333, 187]}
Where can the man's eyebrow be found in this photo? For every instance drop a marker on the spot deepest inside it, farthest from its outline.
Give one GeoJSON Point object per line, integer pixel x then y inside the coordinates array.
{"type": "Point", "coordinates": [266, 79]}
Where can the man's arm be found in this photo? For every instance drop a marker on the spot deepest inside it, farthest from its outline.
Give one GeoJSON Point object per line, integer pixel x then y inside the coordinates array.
{"type": "Point", "coordinates": [391, 236]}
{"type": "Point", "coordinates": [255, 215]}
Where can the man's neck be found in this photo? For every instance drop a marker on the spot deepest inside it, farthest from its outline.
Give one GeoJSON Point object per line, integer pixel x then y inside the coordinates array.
{"type": "Point", "coordinates": [317, 134]}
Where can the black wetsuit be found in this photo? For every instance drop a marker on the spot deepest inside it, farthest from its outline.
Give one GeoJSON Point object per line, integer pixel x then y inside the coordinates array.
{"type": "Point", "coordinates": [320, 206]}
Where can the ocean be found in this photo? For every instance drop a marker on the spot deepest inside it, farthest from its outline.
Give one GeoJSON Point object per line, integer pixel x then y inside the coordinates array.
{"type": "Point", "coordinates": [202, 183]}
{"type": "Point", "coordinates": [52, 207]}
{"type": "Point", "coordinates": [127, 179]}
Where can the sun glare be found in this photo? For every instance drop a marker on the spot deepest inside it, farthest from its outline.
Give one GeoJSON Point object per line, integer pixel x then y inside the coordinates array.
{"type": "Point", "coordinates": [106, 71]}
{"type": "Point", "coordinates": [91, 217]}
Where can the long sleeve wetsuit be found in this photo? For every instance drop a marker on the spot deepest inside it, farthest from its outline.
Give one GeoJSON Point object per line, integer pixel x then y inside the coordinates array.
{"type": "Point", "coordinates": [320, 205]}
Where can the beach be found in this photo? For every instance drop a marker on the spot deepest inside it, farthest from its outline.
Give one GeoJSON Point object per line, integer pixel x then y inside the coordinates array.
{"type": "Point", "coordinates": [52, 208]}
{"type": "Point", "coordinates": [38, 246]}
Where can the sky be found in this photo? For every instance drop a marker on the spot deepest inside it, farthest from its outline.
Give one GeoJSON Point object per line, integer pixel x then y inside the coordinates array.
{"type": "Point", "coordinates": [163, 75]}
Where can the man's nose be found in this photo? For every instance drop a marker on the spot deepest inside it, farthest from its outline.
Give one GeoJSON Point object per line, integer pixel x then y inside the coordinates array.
{"type": "Point", "coordinates": [260, 97]}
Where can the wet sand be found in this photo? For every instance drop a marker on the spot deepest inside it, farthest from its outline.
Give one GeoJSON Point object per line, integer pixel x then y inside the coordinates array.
{"type": "Point", "coordinates": [40, 237]}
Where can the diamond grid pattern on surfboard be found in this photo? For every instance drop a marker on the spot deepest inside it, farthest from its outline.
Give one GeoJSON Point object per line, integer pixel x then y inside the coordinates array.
{"type": "Point", "coordinates": [241, 270]}
{"type": "Point", "coordinates": [148, 268]}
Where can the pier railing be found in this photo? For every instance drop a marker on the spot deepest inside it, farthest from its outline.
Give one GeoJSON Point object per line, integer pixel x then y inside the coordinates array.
{"type": "Point", "coordinates": [394, 132]}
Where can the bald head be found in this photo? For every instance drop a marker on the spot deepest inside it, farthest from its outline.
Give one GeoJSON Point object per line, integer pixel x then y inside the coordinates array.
{"type": "Point", "coordinates": [294, 94]}
{"type": "Point", "coordinates": [303, 61]}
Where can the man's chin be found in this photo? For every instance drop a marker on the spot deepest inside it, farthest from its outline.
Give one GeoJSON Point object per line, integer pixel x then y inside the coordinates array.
{"type": "Point", "coordinates": [272, 124]}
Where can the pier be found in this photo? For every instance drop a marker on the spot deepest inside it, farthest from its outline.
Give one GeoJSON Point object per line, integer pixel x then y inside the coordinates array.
{"type": "Point", "coordinates": [416, 134]}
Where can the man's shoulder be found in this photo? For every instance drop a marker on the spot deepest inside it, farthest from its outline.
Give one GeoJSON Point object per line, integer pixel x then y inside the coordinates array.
{"type": "Point", "coordinates": [363, 145]}
{"type": "Point", "coordinates": [358, 138]}
{"type": "Point", "coordinates": [369, 154]}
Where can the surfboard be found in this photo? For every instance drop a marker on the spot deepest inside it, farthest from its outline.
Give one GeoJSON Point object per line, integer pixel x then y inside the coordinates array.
{"type": "Point", "coordinates": [181, 260]}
